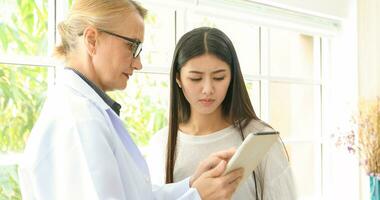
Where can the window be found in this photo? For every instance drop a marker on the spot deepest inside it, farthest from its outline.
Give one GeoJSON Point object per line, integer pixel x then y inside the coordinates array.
{"type": "Point", "coordinates": [24, 28]}
{"type": "Point", "coordinates": [23, 35]}
{"type": "Point", "coordinates": [295, 104]}
{"type": "Point", "coordinates": [282, 67]}
{"type": "Point", "coordinates": [146, 99]}
{"type": "Point", "coordinates": [292, 55]}
{"type": "Point", "coordinates": [159, 38]}
{"type": "Point", "coordinates": [23, 90]}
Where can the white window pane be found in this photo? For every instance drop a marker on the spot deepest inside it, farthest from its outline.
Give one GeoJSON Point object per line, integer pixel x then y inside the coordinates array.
{"type": "Point", "coordinates": [244, 37]}
{"type": "Point", "coordinates": [159, 37]}
{"type": "Point", "coordinates": [292, 54]}
{"type": "Point", "coordinates": [305, 160]}
{"type": "Point", "coordinates": [295, 110]}
{"type": "Point", "coordinates": [253, 88]}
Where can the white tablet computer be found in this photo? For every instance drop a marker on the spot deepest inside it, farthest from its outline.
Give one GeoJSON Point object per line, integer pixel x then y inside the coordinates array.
{"type": "Point", "coordinates": [251, 152]}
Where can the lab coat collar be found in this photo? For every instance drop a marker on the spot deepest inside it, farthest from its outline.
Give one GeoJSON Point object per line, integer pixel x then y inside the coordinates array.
{"type": "Point", "coordinates": [71, 79]}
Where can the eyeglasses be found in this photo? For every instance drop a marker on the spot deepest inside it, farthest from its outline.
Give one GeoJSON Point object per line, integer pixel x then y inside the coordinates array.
{"type": "Point", "coordinates": [136, 44]}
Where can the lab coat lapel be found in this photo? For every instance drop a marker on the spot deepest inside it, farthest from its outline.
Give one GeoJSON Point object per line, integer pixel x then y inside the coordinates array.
{"type": "Point", "coordinates": [74, 81]}
{"type": "Point", "coordinates": [128, 142]}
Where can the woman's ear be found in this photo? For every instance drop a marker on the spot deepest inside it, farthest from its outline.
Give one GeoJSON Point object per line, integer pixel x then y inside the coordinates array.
{"type": "Point", "coordinates": [178, 80]}
{"type": "Point", "coordinates": [90, 35]}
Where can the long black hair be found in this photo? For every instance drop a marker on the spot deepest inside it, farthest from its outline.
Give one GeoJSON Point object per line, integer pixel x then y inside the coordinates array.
{"type": "Point", "coordinates": [236, 106]}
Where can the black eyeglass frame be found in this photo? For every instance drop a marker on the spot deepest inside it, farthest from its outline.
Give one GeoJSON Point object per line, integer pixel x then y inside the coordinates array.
{"type": "Point", "coordinates": [136, 44]}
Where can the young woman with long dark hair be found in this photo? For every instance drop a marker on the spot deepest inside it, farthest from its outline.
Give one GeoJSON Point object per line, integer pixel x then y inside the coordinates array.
{"type": "Point", "coordinates": [210, 110]}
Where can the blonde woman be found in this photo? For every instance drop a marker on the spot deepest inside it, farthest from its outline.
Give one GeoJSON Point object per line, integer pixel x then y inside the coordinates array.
{"type": "Point", "coordinates": [78, 148]}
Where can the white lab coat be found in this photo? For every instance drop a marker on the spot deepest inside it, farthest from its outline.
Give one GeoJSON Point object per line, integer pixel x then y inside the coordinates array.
{"type": "Point", "coordinates": [74, 152]}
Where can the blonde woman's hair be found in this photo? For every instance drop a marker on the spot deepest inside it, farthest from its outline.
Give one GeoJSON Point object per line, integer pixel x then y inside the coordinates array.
{"type": "Point", "coordinates": [101, 14]}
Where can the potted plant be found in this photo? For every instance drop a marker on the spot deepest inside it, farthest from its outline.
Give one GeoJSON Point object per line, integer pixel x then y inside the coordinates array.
{"type": "Point", "coordinates": [363, 140]}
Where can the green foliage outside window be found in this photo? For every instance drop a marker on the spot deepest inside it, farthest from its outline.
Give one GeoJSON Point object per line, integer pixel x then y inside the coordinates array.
{"type": "Point", "coordinates": [9, 189]}
{"type": "Point", "coordinates": [22, 93]}
{"type": "Point", "coordinates": [23, 31]}
{"type": "Point", "coordinates": [144, 106]}
{"type": "Point", "coordinates": [23, 27]}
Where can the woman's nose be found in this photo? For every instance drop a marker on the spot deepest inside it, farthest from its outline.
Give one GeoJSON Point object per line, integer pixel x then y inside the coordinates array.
{"type": "Point", "coordinates": [208, 87]}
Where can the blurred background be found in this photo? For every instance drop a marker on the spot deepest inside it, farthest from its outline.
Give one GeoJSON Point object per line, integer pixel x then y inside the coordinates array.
{"type": "Point", "coordinates": [307, 64]}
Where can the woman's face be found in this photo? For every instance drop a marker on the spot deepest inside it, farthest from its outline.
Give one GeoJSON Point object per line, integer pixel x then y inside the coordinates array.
{"type": "Point", "coordinates": [113, 62]}
{"type": "Point", "coordinates": [204, 81]}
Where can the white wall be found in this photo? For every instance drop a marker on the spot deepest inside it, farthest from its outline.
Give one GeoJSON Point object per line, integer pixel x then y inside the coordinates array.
{"type": "Point", "coordinates": [331, 8]}
{"type": "Point", "coordinates": [343, 104]}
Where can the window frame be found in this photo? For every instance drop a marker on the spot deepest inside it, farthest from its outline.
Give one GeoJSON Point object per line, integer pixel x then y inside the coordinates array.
{"type": "Point", "coordinates": [261, 15]}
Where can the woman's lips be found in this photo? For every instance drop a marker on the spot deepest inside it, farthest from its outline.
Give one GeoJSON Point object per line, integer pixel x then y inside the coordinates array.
{"type": "Point", "coordinates": [127, 75]}
{"type": "Point", "coordinates": [206, 102]}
